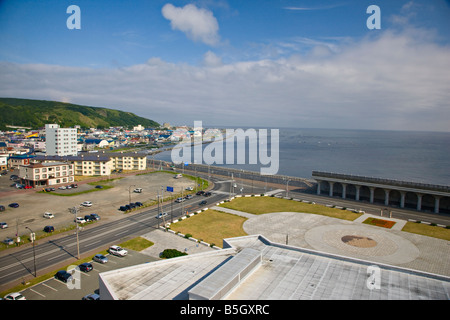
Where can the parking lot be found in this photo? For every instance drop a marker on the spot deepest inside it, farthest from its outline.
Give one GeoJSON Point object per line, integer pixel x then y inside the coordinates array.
{"type": "Point", "coordinates": [105, 202]}
{"type": "Point", "coordinates": [53, 289]}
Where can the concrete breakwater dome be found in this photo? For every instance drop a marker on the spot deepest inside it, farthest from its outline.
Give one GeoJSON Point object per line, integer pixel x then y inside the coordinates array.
{"type": "Point", "coordinates": [410, 195]}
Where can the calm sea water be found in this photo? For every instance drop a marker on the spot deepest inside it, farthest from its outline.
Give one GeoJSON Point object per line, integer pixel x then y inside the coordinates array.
{"type": "Point", "coordinates": [410, 156]}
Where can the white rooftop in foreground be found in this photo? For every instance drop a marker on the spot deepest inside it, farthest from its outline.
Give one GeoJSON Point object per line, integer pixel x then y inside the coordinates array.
{"type": "Point", "coordinates": [253, 268]}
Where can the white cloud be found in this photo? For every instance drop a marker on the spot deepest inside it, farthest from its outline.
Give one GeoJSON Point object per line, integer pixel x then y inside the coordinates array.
{"type": "Point", "coordinates": [396, 81]}
{"type": "Point", "coordinates": [197, 23]}
{"type": "Point", "coordinates": [210, 59]}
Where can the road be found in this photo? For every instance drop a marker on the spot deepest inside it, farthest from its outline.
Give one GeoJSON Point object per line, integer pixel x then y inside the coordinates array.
{"type": "Point", "coordinates": [19, 264]}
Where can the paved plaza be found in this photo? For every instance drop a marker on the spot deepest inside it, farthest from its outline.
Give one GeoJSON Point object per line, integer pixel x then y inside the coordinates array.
{"type": "Point", "coordinates": [325, 234]}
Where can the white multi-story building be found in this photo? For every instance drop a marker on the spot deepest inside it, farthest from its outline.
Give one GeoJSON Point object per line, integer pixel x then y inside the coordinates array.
{"type": "Point", "coordinates": [46, 174]}
{"type": "Point", "coordinates": [60, 141]}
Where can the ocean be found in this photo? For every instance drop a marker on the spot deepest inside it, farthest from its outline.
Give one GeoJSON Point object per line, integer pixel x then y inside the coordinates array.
{"type": "Point", "coordinates": [409, 156]}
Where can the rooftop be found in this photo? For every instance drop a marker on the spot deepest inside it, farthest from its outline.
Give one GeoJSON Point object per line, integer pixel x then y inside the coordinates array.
{"type": "Point", "coordinates": [254, 268]}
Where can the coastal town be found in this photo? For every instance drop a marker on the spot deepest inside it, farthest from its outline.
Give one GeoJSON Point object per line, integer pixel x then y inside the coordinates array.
{"type": "Point", "coordinates": [87, 152]}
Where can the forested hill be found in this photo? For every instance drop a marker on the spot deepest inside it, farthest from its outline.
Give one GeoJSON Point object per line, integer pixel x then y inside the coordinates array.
{"type": "Point", "coordinates": [36, 113]}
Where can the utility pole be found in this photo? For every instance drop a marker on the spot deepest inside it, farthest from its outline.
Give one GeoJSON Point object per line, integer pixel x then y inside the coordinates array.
{"type": "Point", "coordinates": [33, 238]}
{"type": "Point", "coordinates": [74, 210]}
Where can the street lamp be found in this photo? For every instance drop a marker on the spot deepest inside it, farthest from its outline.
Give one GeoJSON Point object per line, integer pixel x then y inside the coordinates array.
{"type": "Point", "coordinates": [129, 193]}
{"type": "Point", "coordinates": [33, 238]}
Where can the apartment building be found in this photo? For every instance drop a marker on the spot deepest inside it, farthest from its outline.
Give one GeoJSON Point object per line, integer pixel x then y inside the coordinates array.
{"type": "Point", "coordinates": [129, 161]}
{"type": "Point", "coordinates": [60, 141]}
{"type": "Point", "coordinates": [101, 163]}
{"type": "Point", "coordinates": [46, 174]}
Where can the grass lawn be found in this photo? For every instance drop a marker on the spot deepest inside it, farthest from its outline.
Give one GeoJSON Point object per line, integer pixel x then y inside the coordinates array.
{"type": "Point", "coordinates": [211, 226]}
{"type": "Point", "coordinates": [137, 244]}
{"type": "Point", "coordinates": [260, 205]}
{"type": "Point", "coordinates": [427, 230]}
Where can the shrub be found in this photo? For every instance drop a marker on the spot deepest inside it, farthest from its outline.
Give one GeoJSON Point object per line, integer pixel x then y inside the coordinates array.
{"type": "Point", "coordinates": [172, 253]}
{"type": "Point", "coordinates": [188, 235]}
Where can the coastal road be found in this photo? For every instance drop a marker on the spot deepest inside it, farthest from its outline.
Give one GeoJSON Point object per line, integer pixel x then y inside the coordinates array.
{"type": "Point", "coordinates": [18, 264]}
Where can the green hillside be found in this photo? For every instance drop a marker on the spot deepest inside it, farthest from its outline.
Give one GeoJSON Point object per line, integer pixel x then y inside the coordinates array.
{"type": "Point", "coordinates": [36, 113]}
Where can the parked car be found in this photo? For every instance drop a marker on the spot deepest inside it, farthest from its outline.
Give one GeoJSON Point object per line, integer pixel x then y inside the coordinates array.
{"type": "Point", "coordinates": [3, 225]}
{"type": "Point", "coordinates": [74, 185]}
{"type": "Point", "coordinates": [63, 275]}
{"type": "Point", "coordinates": [8, 241]}
{"type": "Point", "coordinates": [99, 187]}
{"type": "Point", "coordinates": [118, 251]}
{"type": "Point", "coordinates": [190, 188]}
{"type": "Point", "coordinates": [49, 215]}
{"type": "Point", "coordinates": [49, 189]}
{"type": "Point", "coordinates": [207, 194]}
{"type": "Point", "coordinates": [14, 296]}
{"type": "Point", "coordinates": [91, 296]}
{"type": "Point", "coordinates": [49, 229]}
{"type": "Point", "coordinates": [2, 208]}
{"type": "Point", "coordinates": [189, 196]}
{"type": "Point", "coordinates": [85, 267]}
{"type": "Point", "coordinates": [86, 204]}
{"type": "Point", "coordinates": [160, 215]}
{"type": "Point", "coordinates": [100, 258]}
{"type": "Point", "coordinates": [139, 204]}
{"type": "Point", "coordinates": [13, 177]}
{"type": "Point", "coordinates": [62, 188]}
{"type": "Point", "coordinates": [180, 200]}
{"type": "Point", "coordinates": [199, 193]}
{"type": "Point", "coordinates": [95, 216]}
{"type": "Point", "coordinates": [79, 220]}
{"type": "Point", "coordinates": [13, 205]}
{"type": "Point", "coordinates": [124, 208]}
{"type": "Point", "coordinates": [137, 190]}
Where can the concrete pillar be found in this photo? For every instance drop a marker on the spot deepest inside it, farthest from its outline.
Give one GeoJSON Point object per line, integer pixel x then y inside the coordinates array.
{"type": "Point", "coordinates": [318, 187]}
{"type": "Point", "coordinates": [402, 199]}
{"type": "Point", "coordinates": [419, 201]}
{"type": "Point", "coordinates": [436, 204]}
{"type": "Point", "coordinates": [357, 192]}
{"type": "Point", "coordinates": [344, 190]}
{"type": "Point", "coordinates": [372, 193]}
{"type": "Point", "coordinates": [386, 197]}
{"type": "Point", "coordinates": [331, 188]}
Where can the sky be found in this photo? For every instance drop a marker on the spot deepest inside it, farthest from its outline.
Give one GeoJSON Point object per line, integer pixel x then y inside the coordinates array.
{"type": "Point", "coordinates": [253, 63]}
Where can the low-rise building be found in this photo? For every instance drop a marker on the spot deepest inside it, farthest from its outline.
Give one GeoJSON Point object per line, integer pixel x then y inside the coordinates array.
{"type": "Point", "coordinates": [100, 163]}
{"type": "Point", "coordinates": [46, 174]}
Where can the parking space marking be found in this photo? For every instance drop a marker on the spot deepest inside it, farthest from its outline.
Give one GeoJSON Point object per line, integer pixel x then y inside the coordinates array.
{"type": "Point", "coordinates": [48, 286]}
{"type": "Point", "coordinates": [37, 293]}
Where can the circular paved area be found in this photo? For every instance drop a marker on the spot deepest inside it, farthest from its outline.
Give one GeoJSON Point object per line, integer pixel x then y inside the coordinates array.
{"type": "Point", "coordinates": [351, 238]}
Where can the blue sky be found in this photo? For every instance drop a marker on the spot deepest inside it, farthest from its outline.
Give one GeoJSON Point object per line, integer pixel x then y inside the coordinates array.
{"type": "Point", "coordinates": [234, 62]}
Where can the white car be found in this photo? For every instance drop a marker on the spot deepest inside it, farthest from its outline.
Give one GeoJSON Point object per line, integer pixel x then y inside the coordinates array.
{"type": "Point", "coordinates": [160, 215]}
{"type": "Point", "coordinates": [180, 200]}
{"type": "Point", "coordinates": [137, 190]}
{"type": "Point", "coordinates": [79, 220]}
{"type": "Point", "coordinates": [14, 296]}
{"type": "Point", "coordinates": [86, 204]}
{"type": "Point", "coordinates": [49, 215]}
{"type": "Point", "coordinates": [118, 251]}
